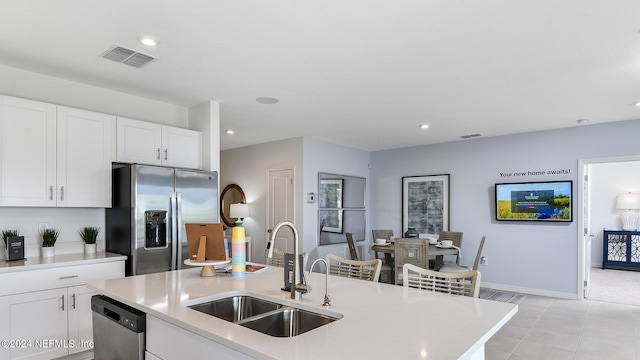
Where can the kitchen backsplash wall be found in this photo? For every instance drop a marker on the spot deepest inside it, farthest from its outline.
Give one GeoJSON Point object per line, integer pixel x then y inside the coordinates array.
{"type": "Point", "coordinates": [67, 220]}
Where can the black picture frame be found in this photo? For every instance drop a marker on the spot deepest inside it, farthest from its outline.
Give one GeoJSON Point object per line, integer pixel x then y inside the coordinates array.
{"type": "Point", "coordinates": [425, 203]}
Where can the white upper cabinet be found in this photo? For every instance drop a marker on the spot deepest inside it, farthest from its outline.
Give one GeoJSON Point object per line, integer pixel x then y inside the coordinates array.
{"type": "Point", "coordinates": [148, 143]}
{"type": "Point", "coordinates": [54, 156]}
{"type": "Point", "coordinates": [138, 142]}
{"type": "Point", "coordinates": [27, 153]}
{"type": "Point", "coordinates": [84, 158]}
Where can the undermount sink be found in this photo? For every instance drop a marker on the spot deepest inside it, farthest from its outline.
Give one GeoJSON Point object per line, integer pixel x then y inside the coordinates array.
{"type": "Point", "coordinates": [264, 316]}
{"type": "Point", "coordinates": [236, 308]}
{"type": "Point", "coordinates": [287, 322]}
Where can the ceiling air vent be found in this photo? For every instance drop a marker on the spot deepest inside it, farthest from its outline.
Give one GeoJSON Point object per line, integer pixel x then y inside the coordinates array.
{"type": "Point", "coordinates": [470, 136]}
{"type": "Point", "coordinates": [127, 56]}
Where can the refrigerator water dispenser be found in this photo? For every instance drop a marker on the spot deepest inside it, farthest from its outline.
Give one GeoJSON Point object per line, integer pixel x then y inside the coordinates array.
{"type": "Point", "coordinates": [156, 228]}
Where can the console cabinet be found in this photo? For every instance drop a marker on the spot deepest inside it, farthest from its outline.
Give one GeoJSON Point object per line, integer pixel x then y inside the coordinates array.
{"type": "Point", "coordinates": [154, 144]}
{"type": "Point", "coordinates": [53, 155]}
{"type": "Point", "coordinates": [46, 313]}
{"type": "Point", "coordinates": [621, 250]}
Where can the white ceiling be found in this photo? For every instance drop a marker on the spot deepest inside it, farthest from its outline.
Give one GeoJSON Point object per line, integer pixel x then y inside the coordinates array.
{"type": "Point", "coordinates": [362, 73]}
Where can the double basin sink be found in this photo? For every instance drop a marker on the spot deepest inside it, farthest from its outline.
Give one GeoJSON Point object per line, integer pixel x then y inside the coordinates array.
{"type": "Point", "coordinates": [268, 317]}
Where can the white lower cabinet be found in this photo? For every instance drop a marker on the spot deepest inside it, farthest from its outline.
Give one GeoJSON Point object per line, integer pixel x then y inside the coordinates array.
{"type": "Point", "coordinates": [55, 321]}
{"type": "Point", "coordinates": [162, 338]}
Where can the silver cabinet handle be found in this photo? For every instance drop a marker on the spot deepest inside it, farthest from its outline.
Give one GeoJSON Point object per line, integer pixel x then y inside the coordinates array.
{"type": "Point", "coordinates": [62, 302]}
{"type": "Point", "coordinates": [73, 301]}
{"type": "Point", "coordinates": [61, 192]}
{"type": "Point", "coordinates": [165, 154]}
{"type": "Point", "coordinates": [50, 192]}
{"type": "Point", "coordinates": [68, 277]}
{"type": "Point", "coordinates": [158, 153]}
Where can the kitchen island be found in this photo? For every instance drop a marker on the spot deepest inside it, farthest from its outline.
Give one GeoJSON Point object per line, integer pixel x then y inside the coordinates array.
{"type": "Point", "coordinates": [378, 321]}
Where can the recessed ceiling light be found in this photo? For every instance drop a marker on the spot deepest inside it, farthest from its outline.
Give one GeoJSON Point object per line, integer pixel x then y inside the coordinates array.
{"type": "Point", "coordinates": [637, 103]}
{"type": "Point", "coordinates": [266, 100]}
{"type": "Point", "coordinates": [148, 40]}
{"type": "Point", "coordinates": [424, 126]}
{"type": "Point", "coordinates": [229, 132]}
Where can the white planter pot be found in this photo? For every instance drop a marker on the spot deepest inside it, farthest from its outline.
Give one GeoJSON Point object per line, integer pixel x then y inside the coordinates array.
{"type": "Point", "coordinates": [90, 248]}
{"type": "Point", "coordinates": [48, 251]}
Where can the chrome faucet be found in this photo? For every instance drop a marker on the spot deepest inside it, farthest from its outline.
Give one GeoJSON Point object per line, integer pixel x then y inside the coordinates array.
{"type": "Point", "coordinates": [327, 298]}
{"type": "Point", "coordinates": [297, 287]}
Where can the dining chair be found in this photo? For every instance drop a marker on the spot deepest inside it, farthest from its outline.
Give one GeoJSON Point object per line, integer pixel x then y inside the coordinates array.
{"type": "Point", "coordinates": [278, 258]}
{"type": "Point", "coordinates": [450, 266]}
{"type": "Point", "coordinates": [461, 283]}
{"type": "Point", "coordinates": [455, 237]}
{"type": "Point", "coordinates": [353, 249]}
{"type": "Point", "coordinates": [382, 234]}
{"type": "Point", "coordinates": [364, 270]}
{"type": "Point", "coordinates": [355, 255]}
{"type": "Point", "coordinates": [413, 251]}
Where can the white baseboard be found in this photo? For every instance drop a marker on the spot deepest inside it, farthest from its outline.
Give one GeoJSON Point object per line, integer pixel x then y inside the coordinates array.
{"type": "Point", "coordinates": [530, 291]}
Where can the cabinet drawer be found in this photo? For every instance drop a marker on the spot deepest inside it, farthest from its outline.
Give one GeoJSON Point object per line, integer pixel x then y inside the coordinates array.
{"type": "Point", "coordinates": [51, 278]}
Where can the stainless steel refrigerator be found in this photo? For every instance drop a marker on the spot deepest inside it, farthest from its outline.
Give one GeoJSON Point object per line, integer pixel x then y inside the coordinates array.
{"type": "Point", "coordinates": [150, 206]}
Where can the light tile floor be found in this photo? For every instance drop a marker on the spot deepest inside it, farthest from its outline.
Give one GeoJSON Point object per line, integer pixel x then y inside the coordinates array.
{"type": "Point", "coordinates": [548, 328]}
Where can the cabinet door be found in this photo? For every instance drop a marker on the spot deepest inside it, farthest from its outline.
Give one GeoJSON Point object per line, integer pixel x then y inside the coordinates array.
{"type": "Point", "coordinates": [138, 142]}
{"type": "Point", "coordinates": [84, 158]}
{"type": "Point", "coordinates": [27, 152]}
{"type": "Point", "coordinates": [181, 147]}
{"type": "Point", "coordinates": [80, 319]}
{"type": "Point", "coordinates": [36, 323]}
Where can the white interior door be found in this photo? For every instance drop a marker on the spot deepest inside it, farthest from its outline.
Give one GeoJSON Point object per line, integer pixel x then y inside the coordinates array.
{"type": "Point", "coordinates": [587, 234]}
{"type": "Point", "coordinates": [280, 206]}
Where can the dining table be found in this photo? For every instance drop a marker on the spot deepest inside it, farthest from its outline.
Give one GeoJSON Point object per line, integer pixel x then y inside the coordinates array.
{"type": "Point", "coordinates": [434, 250]}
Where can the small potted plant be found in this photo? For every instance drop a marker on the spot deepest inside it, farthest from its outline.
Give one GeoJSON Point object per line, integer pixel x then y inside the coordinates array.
{"type": "Point", "coordinates": [89, 235]}
{"type": "Point", "coordinates": [13, 245]}
{"type": "Point", "coordinates": [49, 238]}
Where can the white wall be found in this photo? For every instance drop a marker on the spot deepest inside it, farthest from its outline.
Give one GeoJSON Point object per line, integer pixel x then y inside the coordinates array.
{"type": "Point", "coordinates": [607, 181]}
{"type": "Point", "coordinates": [522, 256]}
{"type": "Point", "coordinates": [34, 86]}
{"type": "Point", "coordinates": [247, 167]}
{"type": "Point", "coordinates": [67, 220]}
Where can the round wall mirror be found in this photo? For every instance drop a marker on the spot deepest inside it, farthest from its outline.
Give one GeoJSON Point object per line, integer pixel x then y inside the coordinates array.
{"type": "Point", "coordinates": [232, 194]}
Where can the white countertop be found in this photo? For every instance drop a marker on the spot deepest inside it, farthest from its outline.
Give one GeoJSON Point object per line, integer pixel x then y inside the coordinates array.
{"type": "Point", "coordinates": [36, 262]}
{"type": "Point", "coordinates": [380, 321]}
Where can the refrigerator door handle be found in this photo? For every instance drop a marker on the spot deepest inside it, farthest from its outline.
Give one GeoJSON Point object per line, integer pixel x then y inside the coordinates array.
{"type": "Point", "coordinates": [174, 236]}
{"type": "Point", "coordinates": [177, 230]}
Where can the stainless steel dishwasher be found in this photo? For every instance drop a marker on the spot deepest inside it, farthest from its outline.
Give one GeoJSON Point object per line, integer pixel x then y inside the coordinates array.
{"type": "Point", "coordinates": [118, 330]}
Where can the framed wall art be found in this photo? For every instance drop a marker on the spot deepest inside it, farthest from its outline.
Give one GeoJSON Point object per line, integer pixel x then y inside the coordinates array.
{"type": "Point", "coordinates": [425, 203]}
{"type": "Point", "coordinates": [330, 201]}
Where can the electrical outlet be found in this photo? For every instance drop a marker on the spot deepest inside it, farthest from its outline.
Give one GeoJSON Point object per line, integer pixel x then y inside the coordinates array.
{"type": "Point", "coordinates": [43, 226]}
{"type": "Point", "coordinates": [483, 261]}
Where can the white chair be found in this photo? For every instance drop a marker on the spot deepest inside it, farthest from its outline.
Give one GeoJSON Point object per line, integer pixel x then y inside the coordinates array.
{"type": "Point", "coordinates": [450, 266]}
{"type": "Point", "coordinates": [365, 270]}
{"type": "Point", "coordinates": [278, 258]}
{"type": "Point", "coordinates": [461, 283]}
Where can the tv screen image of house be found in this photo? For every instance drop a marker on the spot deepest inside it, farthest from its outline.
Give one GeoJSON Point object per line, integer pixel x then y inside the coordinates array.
{"type": "Point", "coordinates": [547, 201]}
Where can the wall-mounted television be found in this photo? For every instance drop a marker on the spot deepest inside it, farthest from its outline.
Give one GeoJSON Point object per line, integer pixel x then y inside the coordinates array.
{"type": "Point", "coordinates": [544, 201]}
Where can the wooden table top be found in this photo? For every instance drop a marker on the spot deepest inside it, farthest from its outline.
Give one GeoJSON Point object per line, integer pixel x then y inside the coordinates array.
{"type": "Point", "coordinates": [433, 250]}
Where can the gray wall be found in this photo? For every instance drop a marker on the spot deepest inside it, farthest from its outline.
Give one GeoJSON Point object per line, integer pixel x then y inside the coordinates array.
{"type": "Point", "coordinates": [523, 256]}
